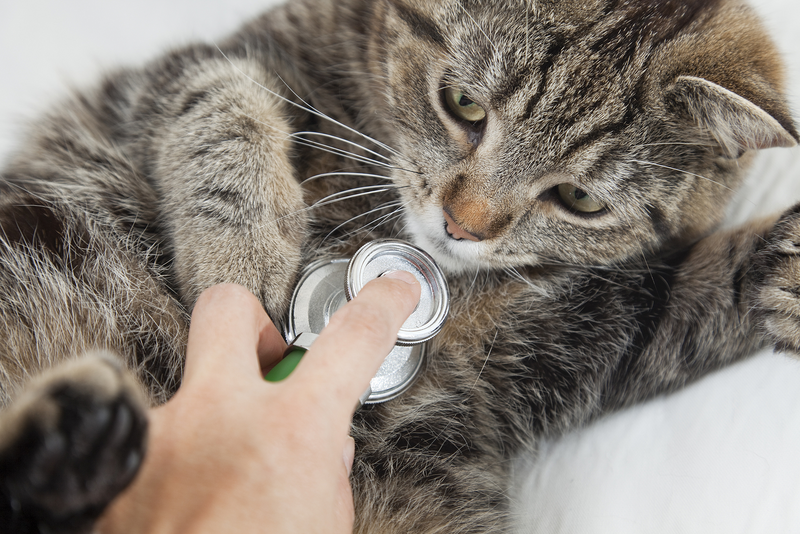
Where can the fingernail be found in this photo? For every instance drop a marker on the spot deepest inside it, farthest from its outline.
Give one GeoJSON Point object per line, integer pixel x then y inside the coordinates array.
{"type": "Point", "coordinates": [403, 276]}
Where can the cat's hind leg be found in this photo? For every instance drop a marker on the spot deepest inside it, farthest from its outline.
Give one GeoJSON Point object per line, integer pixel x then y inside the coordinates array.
{"type": "Point", "coordinates": [69, 445]}
{"type": "Point", "coordinates": [73, 431]}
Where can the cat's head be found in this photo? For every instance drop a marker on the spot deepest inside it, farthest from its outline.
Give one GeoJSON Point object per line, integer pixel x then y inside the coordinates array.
{"type": "Point", "coordinates": [572, 131]}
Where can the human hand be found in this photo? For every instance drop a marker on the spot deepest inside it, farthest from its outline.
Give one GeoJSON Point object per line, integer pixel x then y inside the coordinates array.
{"type": "Point", "coordinates": [234, 453]}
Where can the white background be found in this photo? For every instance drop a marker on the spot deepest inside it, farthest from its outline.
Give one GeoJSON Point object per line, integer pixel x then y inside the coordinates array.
{"type": "Point", "coordinates": [718, 457]}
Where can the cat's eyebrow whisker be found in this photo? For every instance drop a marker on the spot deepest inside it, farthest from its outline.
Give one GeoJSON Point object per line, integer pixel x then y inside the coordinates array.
{"type": "Point", "coordinates": [496, 50]}
{"type": "Point", "coordinates": [337, 138]}
{"type": "Point", "coordinates": [642, 162]}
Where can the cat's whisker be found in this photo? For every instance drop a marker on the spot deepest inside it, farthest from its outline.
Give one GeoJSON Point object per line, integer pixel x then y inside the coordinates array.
{"type": "Point", "coordinates": [343, 173]}
{"type": "Point", "coordinates": [334, 198]}
{"type": "Point", "coordinates": [365, 229]}
{"type": "Point", "coordinates": [486, 360]}
{"type": "Point", "coordinates": [474, 279]}
{"type": "Point", "coordinates": [344, 153]}
{"type": "Point", "coordinates": [360, 215]}
{"type": "Point", "coordinates": [314, 111]}
{"type": "Point", "coordinates": [306, 106]}
{"type": "Point", "coordinates": [348, 155]}
{"type": "Point", "coordinates": [643, 162]}
{"type": "Point", "coordinates": [383, 219]}
{"type": "Point", "coordinates": [294, 137]}
{"type": "Point", "coordinates": [518, 276]}
{"type": "Point", "coordinates": [644, 145]}
{"type": "Point", "coordinates": [394, 231]}
{"type": "Point", "coordinates": [349, 194]}
{"type": "Point", "coordinates": [343, 140]}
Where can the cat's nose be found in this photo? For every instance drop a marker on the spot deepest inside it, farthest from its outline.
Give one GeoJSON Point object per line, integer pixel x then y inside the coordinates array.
{"type": "Point", "coordinates": [475, 214]}
{"type": "Point", "coordinates": [455, 231]}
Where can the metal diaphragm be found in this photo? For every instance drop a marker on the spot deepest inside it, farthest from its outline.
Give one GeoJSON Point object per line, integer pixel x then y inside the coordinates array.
{"type": "Point", "coordinates": [381, 256]}
{"type": "Point", "coordinates": [325, 286]}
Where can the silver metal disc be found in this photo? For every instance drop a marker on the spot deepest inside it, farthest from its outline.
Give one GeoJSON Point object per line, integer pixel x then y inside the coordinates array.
{"type": "Point", "coordinates": [319, 293]}
{"type": "Point", "coordinates": [383, 255]}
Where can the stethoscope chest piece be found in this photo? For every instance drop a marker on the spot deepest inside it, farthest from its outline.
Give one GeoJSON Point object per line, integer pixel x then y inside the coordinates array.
{"type": "Point", "coordinates": [325, 286]}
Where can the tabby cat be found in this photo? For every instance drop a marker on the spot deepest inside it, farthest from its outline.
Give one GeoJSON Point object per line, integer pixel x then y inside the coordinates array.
{"type": "Point", "coordinates": [565, 162]}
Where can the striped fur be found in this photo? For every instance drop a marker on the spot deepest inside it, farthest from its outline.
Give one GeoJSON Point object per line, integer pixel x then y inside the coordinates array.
{"type": "Point", "coordinates": [240, 163]}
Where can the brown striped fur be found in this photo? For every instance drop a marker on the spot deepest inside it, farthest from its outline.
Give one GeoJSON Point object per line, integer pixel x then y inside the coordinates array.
{"type": "Point", "coordinates": [240, 163]}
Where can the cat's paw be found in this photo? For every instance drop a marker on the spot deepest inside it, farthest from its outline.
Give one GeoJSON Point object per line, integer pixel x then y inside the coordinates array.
{"type": "Point", "coordinates": [777, 270]}
{"type": "Point", "coordinates": [68, 446]}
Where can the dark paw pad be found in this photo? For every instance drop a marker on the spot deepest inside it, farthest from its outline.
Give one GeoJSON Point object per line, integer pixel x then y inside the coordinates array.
{"type": "Point", "coordinates": [69, 446]}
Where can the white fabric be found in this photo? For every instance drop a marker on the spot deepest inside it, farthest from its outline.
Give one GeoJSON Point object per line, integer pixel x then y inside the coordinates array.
{"type": "Point", "coordinates": [718, 457]}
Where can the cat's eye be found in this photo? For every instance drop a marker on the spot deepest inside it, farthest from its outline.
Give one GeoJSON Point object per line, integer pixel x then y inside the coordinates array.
{"type": "Point", "coordinates": [578, 199]}
{"type": "Point", "coordinates": [462, 106]}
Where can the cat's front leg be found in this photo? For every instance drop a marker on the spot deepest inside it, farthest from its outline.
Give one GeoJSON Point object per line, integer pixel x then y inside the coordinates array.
{"type": "Point", "coordinates": [776, 283]}
{"type": "Point", "coordinates": [232, 206]}
{"type": "Point", "coordinates": [716, 302]}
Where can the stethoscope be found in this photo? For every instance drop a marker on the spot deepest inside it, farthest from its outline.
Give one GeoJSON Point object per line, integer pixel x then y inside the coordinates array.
{"type": "Point", "coordinates": [325, 286]}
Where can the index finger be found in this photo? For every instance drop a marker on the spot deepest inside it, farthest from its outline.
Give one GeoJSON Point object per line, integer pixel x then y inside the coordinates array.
{"type": "Point", "coordinates": [349, 351]}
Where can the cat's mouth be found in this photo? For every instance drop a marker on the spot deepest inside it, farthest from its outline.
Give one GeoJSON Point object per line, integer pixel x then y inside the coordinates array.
{"type": "Point", "coordinates": [454, 249]}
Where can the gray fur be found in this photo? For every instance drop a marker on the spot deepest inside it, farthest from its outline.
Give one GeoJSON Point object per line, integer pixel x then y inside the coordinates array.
{"type": "Point", "coordinates": [208, 166]}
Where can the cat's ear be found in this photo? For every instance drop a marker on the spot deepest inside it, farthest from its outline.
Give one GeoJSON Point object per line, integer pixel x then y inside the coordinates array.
{"type": "Point", "coordinates": [735, 122]}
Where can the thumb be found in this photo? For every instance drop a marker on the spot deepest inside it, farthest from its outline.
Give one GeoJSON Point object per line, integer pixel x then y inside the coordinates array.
{"type": "Point", "coordinates": [231, 332]}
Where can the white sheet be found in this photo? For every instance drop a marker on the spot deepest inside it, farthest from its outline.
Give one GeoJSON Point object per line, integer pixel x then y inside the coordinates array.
{"type": "Point", "coordinates": [720, 456]}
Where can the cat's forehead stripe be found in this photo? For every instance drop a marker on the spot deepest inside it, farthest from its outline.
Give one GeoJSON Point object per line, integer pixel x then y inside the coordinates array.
{"type": "Point", "coordinates": [615, 37]}
{"type": "Point", "coordinates": [555, 48]}
{"type": "Point", "coordinates": [420, 24]}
